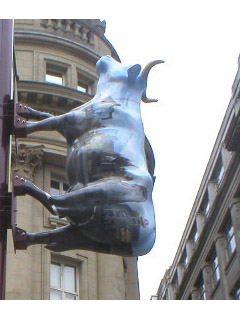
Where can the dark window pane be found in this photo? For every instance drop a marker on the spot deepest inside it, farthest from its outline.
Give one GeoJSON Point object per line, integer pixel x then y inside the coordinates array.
{"type": "Point", "coordinates": [55, 188]}
{"type": "Point", "coordinates": [65, 186]}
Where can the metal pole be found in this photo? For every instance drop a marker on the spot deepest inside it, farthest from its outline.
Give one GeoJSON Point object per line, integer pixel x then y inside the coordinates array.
{"type": "Point", "coordinates": [6, 68]}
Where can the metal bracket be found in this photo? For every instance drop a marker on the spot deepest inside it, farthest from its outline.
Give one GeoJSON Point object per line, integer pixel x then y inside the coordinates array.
{"type": "Point", "coordinates": [20, 240]}
{"type": "Point", "coordinates": [19, 235]}
{"type": "Point", "coordinates": [18, 115]}
{"type": "Point", "coordinates": [18, 184]}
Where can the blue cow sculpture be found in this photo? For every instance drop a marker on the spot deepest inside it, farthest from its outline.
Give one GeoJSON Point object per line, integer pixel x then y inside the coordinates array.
{"type": "Point", "coordinates": [109, 202]}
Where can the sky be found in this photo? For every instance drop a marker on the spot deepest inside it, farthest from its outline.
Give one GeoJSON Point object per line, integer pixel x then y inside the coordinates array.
{"type": "Point", "coordinates": [200, 44]}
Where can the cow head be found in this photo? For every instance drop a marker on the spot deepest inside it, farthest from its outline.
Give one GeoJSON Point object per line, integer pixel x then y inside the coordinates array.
{"type": "Point", "coordinates": [111, 71]}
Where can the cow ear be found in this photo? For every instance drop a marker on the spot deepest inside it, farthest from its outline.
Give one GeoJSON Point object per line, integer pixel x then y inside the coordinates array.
{"type": "Point", "coordinates": [133, 72]}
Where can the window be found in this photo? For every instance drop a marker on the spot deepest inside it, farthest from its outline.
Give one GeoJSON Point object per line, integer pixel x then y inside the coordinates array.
{"type": "Point", "coordinates": [56, 78]}
{"type": "Point", "coordinates": [215, 267]}
{"type": "Point", "coordinates": [175, 280]}
{"type": "Point", "coordinates": [205, 206]}
{"type": "Point", "coordinates": [202, 291]}
{"type": "Point", "coordinates": [63, 282]}
{"type": "Point", "coordinates": [236, 292]}
{"type": "Point", "coordinates": [84, 84]}
{"type": "Point", "coordinates": [185, 259]}
{"type": "Point", "coordinates": [220, 174]}
{"type": "Point", "coordinates": [219, 171]}
{"type": "Point", "coordinates": [58, 187]}
{"type": "Point", "coordinates": [55, 74]}
{"type": "Point", "coordinates": [194, 234]}
{"type": "Point", "coordinates": [229, 235]}
{"type": "Point", "coordinates": [82, 87]}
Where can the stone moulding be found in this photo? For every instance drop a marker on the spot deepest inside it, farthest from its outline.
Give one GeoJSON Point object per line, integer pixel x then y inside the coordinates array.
{"type": "Point", "coordinates": [83, 30]}
{"type": "Point", "coordinates": [35, 37]}
{"type": "Point", "coordinates": [71, 28]}
{"type": "Point", "coordinates": [36, 91]}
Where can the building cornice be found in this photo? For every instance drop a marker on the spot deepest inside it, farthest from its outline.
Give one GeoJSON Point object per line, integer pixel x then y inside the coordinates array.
{"type": "Point", "coordinates": [82, 32]}
{"type": "Point", "coordinates": [40, 38]}
{"type": "Point", "coordinates": [52, 95]}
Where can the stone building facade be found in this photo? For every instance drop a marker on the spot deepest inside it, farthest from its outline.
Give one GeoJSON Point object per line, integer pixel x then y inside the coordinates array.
{"type": "Point", "coordinates": [207, 263]}
{"type": "Point", "coordinates": [55, 62]}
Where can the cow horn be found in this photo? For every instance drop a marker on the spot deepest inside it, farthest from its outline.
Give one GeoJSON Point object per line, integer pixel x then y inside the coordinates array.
{"type": "Point", "coordinates": [144, 75]}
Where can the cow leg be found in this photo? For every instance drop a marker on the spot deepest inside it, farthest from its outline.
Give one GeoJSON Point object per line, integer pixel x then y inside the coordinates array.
{"type": "Point", "coordinates": [32, 113]}
{"type": "Point", "coordinates": [43, 197]}
{"type": "Point", "coordinates": [66, 238]}
{"type": "Point", "coordinates": [62, 235]}
{"type": "Point", "coordinates": [84, 212]}
{"type": "Point", "coordinates": [99, 194]}
{"type": "Point", "coordinates": [35, 114]}
{"type": "Point", "coordinates": [49, 124]}
{"type": "Point", "coordinates": [60, 123]}
{"type": "Point", "coordinates": [40, 195]}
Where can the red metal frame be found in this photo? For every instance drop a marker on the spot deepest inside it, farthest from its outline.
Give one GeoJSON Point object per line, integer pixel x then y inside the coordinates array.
{"type": "Point", "coordinates": [6, 80]}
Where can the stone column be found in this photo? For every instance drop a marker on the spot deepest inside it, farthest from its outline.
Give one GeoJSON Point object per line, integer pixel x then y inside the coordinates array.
{"type": "Point", "coordinates": [226, 156]}
{"type": "Point", "coordinates": [172, 291]}
{"type": "Point", "coordinates": [212, 191]}
{"type": "Point", "coordinates": [207, 279]}
{"type": "Point", "coordinates": [200, 220]}
{"type": "Point", "coordinates": [189, 249]}
{"type": "Point", "coordinates": [195, 294]}
{"type": "Point", "coordinates": [74, 78]}
{"type": "Point", "coordinates": [180, 272]}
{"type": "Point", "coordinates": [110, 277]}
{"type": "Point", "coordinates": [222, 260]}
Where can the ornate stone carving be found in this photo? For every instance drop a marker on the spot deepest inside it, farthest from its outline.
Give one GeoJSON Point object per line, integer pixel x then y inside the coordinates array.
{"type": "Point", "coordinates": [26, 160]}
{"type": "Point", "coordinates": [79, 29]}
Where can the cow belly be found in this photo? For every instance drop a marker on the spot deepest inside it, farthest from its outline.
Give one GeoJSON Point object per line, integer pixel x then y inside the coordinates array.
{"type": "Point", "coordinates": [101, 155]}
{"type": "Point", "coordinates": [86, 166]}
{"type": "Point", "coordinates": [119, 224]}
